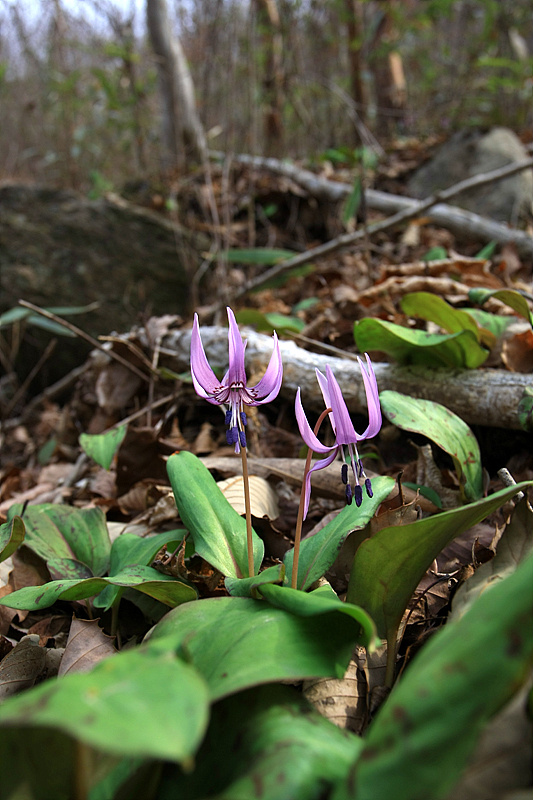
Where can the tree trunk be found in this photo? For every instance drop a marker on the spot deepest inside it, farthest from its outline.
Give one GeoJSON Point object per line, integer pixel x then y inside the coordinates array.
{"type": "Point", "coordinates": [182, 132]}
{"type": "Point", "coordinates": [269, 26]}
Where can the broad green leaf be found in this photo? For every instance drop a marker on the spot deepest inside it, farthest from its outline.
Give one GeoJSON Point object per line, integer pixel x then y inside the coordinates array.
{"type": "Point", "coordinates": [102, 447]}
{"type": "Point", "coordinates": [318, 552]}
{"type": "Point", "coordinates": [269, 322]}
{"type": "Point", "coordinates": [435, 254]}
{"type": "Point", "coordinates": [164, 588]}
{"type": "Point", "coordinates": [59, 531]}
{"type": "Point", "coordinates": [388, 567]}
{"type": "Point", "coordinates": [525, 409]}
{"type": "Point", "coordinates": [257, 255]}
{"type": "Point", "coordinates": [309, 604]}
{"type": "Point", "coordinates": [11, 535]}
{"type": "Point", "coordinates": [444, 428]}
{"type": "Point", "coordinates": [133, 703]}
{"type": "Point", "coordinates": [219, 532]}
{"type": "Point", "coordinates": [514, 546]}
{"type": "Point", "coordinates": [510, 297]}
{"type": "Point", "coordinates": [497, 324]}
{"type": "Point", "coordinates": [128, 550]}
{"type": "Point", "coordinates": [424, 733]}
{"type": "Point", "coordinates": [237, 642]}
{"type": "Point", "coordinates": [435, 308]}
{"type": "Point", "coordinates": [269, 737]}
{"type": "Point", "coordinates": [247, 587]}
{"type": "Point", "coordinates": [408, 346]}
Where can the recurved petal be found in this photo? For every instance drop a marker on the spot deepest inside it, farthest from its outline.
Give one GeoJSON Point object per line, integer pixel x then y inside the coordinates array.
{"type": "Point", "coordinates": [323, 383]}
{"type": "Point", "coordinates": [324, 462]}
{"type": "Point", "coordinates": [306, 432]}
{"type": "Point", "coordinates": [269, 385]}
{"type": "Point", "coordinates": [372, 399]}
{"type": "Point", "coordinates": [204, 379]}
{"type": "Point", "coordinates": [236, 373]}
{"type": "Point", "coordinates": [344, 429]}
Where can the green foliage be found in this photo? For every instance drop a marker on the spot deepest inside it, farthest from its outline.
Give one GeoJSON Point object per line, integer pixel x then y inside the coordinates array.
{"type": "Point", "coordinates": [444, 428]}
{"type": "Point", "coordinates": [408, 346]}
{"type": "Point", "coordinates": [219, 532]}
{"type": "Point", "coordinates": [401, 554]}
{"type": "Point", "coordinates": [267, 323]}
{"type": "Point", "coordinates": [238, 642]}
{"type": "Point", "coordinates": [269, 737]}
{"type": "Point", "coordinates": [11, 536]}
{"type": "Point", "coordinates": [135, 703]}
{"type": "Point", "coordinates": [424, 733]}
{"type": "Point", "coordinates": [103, 447]}
{"type": "Point", "coordinates": [318, 552]}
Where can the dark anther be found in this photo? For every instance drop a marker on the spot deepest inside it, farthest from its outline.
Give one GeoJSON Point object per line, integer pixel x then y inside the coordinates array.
{"type": "Point", "coordinates": [229, 437]}
{"type": "Point", "coordinates": [228, 416]}
{"type": "Point", "coordinates": [344, 473]}
{"type": "Point", "coordinates": [244, 419]}
{"type": "Point", "coordinates": [368, 487]}
{"type": "Point", "coordinates": [242, 437]}
{"type": "Point", "coordinates": [348, 494]}
{"type": "Point", "coordinates": [234, 434]}
{"type": "Point", "coordinates": [358, 495]}
{"type": "Point", "coordinates": [361, 470]}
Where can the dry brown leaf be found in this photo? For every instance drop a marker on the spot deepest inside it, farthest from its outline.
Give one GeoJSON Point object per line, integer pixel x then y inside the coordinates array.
{"type": "Point", "coordinates": [116, 385]}
{"type": "Point", "coordinates": [87, 645]}
{"type": "Point", "coordinates": [263, 500]}
{"type": "Point", "coordinates": [21, 667]}
{"type": "Point", "coordinates": [206, 441]}
{"type": "Point", "coordinates": [342, 700]}
{"type": "Point", "coordinates": [517, 353]}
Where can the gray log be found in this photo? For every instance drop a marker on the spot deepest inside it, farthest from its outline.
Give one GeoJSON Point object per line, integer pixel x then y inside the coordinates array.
{"type": "Point", "coordinates": [483, 396]}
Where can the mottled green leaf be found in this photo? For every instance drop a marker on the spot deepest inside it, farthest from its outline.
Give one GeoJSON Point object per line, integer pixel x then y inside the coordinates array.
{"type": "Point", "coordinates": [219, 532]}
{"type": "Point", "coordinates": [423, 735]}
{"type": "Point", "coordinates": [444, 428]}
{"type": "Point", "coordinates": [11, 536]}
{"type": "Point", "coordinates": [408, 346]}
{"type": "Point", "coordinates": [133, 703]}
{"type": "Point", "coordinates": [102, 447]}
{"type": "Point", "coordinates": [318, 552]}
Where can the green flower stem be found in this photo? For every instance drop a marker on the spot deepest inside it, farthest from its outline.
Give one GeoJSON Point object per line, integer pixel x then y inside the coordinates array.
{"type": "Point", "coordinates": [114, 614]}
{"type": "Point", "coordinates": [300, 518]}
{"type": "Point", "coordinates": [249, 540]}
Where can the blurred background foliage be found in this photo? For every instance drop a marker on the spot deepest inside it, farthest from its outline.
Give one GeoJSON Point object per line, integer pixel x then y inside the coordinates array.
{"type": "Point", "coordinates": [291, 78]}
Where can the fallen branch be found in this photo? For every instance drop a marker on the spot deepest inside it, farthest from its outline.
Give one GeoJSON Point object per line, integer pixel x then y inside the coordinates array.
{"type": "Point", "coordinates": [483, 397]}
{"type": "Point", "coordinates": [401, 208]}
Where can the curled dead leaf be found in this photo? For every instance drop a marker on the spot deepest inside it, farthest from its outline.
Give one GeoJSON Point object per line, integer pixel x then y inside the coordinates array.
{"type": "Point", "coordinates": [87, 644]}
{"type": "Point", "coordinates": [263, 499]}
{"type": "Point", "coordinates": [22, 666]}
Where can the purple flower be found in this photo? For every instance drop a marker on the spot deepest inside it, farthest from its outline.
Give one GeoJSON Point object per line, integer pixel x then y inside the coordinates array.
{"type": "Point", "coordinates": [345, 435]}
{"type": "Point", "coordinates": [232, 390]}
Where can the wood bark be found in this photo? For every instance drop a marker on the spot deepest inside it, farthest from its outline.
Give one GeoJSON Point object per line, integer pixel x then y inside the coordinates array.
{"type": "Point", "coordinates": [457, 220]}
{"type": "Point", "coordinates": [483, 397]}
{"type": "Point", "coordinates": [183, 134]}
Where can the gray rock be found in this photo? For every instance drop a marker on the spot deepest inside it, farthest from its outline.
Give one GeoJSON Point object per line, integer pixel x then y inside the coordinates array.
{"type": "Point", "coordinates": [470, 153]}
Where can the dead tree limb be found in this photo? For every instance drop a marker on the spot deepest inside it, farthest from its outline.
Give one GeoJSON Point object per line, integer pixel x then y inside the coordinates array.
{"type": "Point", "coordinates": [401, 208]}
{"type": "Point", "coordinates": [483, 397]}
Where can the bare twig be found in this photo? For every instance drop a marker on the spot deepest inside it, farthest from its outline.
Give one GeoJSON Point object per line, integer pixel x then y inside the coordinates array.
{"type": "Point", "coordinates": [22, 388]}
{"type": "Point", "coordinates": [82, 335]}
{"type": "Point", "coordinates": [508, 480]}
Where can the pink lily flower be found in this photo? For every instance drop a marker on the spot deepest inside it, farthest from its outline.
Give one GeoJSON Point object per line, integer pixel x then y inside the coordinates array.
{"type": "Point", "coordinates": [232, 390]}
{"type": "Point", "coordinates": [345, 434]}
